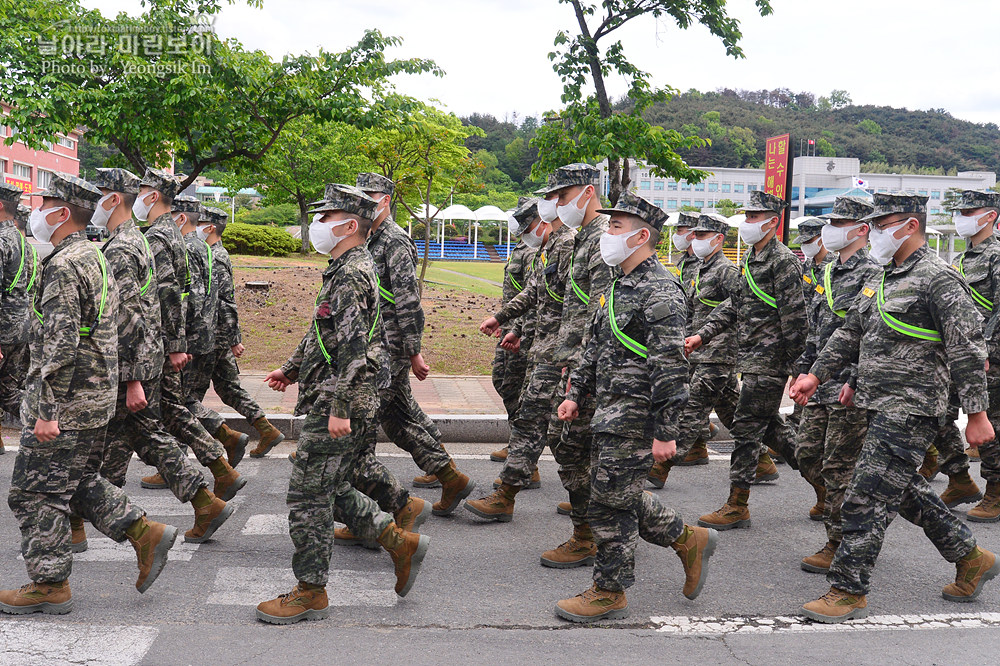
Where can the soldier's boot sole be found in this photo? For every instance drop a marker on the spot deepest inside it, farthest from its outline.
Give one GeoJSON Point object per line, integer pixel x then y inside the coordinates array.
{"type": "Point", "coordinates": [44, 607]}
{"type": "Point", "coordinates": [812, 568]}
{"type": "Point", "coordinates": [765, 478]}
{"type": "Point", "coordinates": [612, 614]}
{"type": "Point", "coordinates": [982, 519]}
{"type": "Point", "coordinates": [152, 486]}
{"type": "Point", "coordinates": [855, 614]}
{"type": "Point", "coordinates": [735, 525]}
{"type": "Point", "coordinates": [582, 562]}
{"type": "Point", "coordinates": [502, 458]}
{"type": "Point", "coordinates": [436, 483]}
{"type": "Point", "coordinates": [213, 526]}
{"type": "Point", "coordinates": [713, 541]}
{"type": "Point", "coordinates": [415, 561]}
{"type": "Point", "coordinates": [159, 557]}
{"type": "Point", "coordinates": [80, 547]}
{"type": "Point", "coordinates": [231, 491]}
{"type": "Point", "coordinates": [311, 614]}
{"type": "Point", "coordinates": [967, 499]}
{"type": "Point", "coordinates": [260, 453]}
{"type": "Point", "coordinates": [495, 517]}
{"type": "Point", "coordinates": [990, 574]}
{"type": "Point", "coordinates": [656, 481]}
{"type": "Point", "coordinates": [462, 494]}
{"type": "Point", "coordinates": [568, 510]}
{"type": "Point", "coordinates": [691, 463]}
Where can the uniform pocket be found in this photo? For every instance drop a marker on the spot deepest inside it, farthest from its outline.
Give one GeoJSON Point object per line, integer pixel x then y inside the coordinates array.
{"type": "Point", "coordinates": [46, 467]}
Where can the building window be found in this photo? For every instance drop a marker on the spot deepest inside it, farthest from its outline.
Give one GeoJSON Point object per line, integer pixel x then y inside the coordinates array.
{"type": "Point", "coordinates": [738, 187]}
{"type": "Point", "coordinates": [935, 194]}
{"type": "Point", "coordinates": [726, 187]}
{"type": "Point", "coordinates": [658, 203]}
{"type": "Point", "coordinates": [699, 203]}
{"type": "Point", "coordinates": [44, 178]}
{"type": "Point", "coordinates": [686, 186]}
{"type": "Point", "coordinates": [922, 193]}
{"type": "Point", "coordinates": [685, 203]}
{"type": "Point", "coordinates": [644, 185]}
{"type": "Point", "coordinates": [22, 171]}
{"type": "Point", "coordinates": [672, 185]}
{"type": "Point", "coordinates": [672, 204]}
{"type": "Point", "coordinates": [753, 187]}
{"type": "Point", "coordinates": [657, 184]}
{"type": "Point", "coordinates": [66, 142]}
{"type": "Point", "coordinates": [699, 187]}
{"type": "Point", "coordinates": [713, 187]}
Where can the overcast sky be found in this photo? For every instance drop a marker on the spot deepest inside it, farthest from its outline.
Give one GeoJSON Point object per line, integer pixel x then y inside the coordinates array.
{"type": "Point", "coordinates": [916, 54]}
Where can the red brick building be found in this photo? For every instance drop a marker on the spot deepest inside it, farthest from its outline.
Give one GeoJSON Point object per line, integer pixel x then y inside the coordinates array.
{"type": "Point", "coordinates": [31, 169]}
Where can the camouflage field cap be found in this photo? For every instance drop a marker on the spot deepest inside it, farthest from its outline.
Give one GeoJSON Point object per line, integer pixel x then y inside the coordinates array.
{"type": "Point", "coordinates": [686, 218]}
{"type": "Point", "coordinates": [216, 214]}
{"type": "Point", "coordinates": [713, 222]}
{"type": "Point", "coordinates": [72, 190]}
{"type": "Point", "coordinates": [570, 175]}
{"type": "Point", "coordinates": [633, 204]}
{"type": "Point", "coordinates": [374, 182]}
{"type": "Point", "coordinates": [161, 181]}
{"type": "Point", "coordinates": [889, 203]}
{"type": "Point", "coordinates": [10, 193]}
{"type": "Point", "coordinates": [526, 212]}
{"type": "Point", "coordinates": [117, 180]}
{"type": "Point", "coordinates": [23, 213]}
{"type": "Point", "coordinates": [977, 199]}
{"type": "Point", "coordinates": [849, 208]}
{"type": "Point", "coordinates": [809, 228]}
{"type": "Point", "coordinates": [347, 198]}
{"type": "Point", "coordinates": [185, 203]}
{"type": "Point", "coordinates": [762, 202]}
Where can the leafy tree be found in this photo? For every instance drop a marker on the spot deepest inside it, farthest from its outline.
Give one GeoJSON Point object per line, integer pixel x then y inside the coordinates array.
{"type": "Point", "coordinates": [839, 99]}
{"type": "Point", "coordinates": [869, 126]}
{"type": "Point", "coordinates": [825, 148]}
{"type": "Point", "coordinates": [726, 207]}
{"type": "Point", "coordinates": [282, 215]}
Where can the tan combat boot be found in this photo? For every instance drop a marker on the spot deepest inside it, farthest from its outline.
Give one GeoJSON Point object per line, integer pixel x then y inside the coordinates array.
{"type": "Point", "coordinates": [292, 457]}
{"type": "Point", "coordinates": [154, 482]}
{"type": "Point", "coordinates": [733, 514]}
{"type": "Point", "coordinates": [534, 484]}
{"type": "Point", "coordinates": [304, 602]}
{"type": "Point", "coordinates": [972, 572]}
{"type": "Point", "coordinates": [2, 449]}
{"type": "Point", "coordinates": [987, 511]}
{"type": "Point", "coordinates": [775, 456]}
{"type": "Point", "coordinates": [961, 490]}
{"type": "Point", "coordinates": [79, 534]}
{"type": "Point", "coordinates": [766, 470]}
{"type": "Point", "coordinates": [498, 506]}
{"type": "Point", "coordinates": [235, 443]}
{"type": "Point", "coordinates": [658, 473]}
{"type": "Point", "coordinates": [818, 509]}
{"type": "Point", "coordinates": [698, 455]}
{"type": "Point", "coordinates": [499, 456]}
{"type": "Point", "coordinates": [342, 536]}
{"type": "Point", "coordinates": [592, 605]}
{"type": "Point", "coordinates": [820, 562]}
{"type": "Point", "coordinates": [407, 550]}
{"type": "Point", "coordinates": [929, 468]}
{"type": "Point", "coordinates": [426, 481]}
{"type": "Point", "coordinates": [579, 551]}
{"type": "Point", "coordinates": [455, 487]}
{"type": "Point", "coordinates": [269, 438]}
{"type": "Point", "coordinates": [229, 483]}
{"type": "Point", "coordinates": [564, 508]}
{"type": "Point", "coordinates": [208, 519]}
{"type": "Point", "coordinates": [695, 546]}
{"type": "Point", "coordinates": [973, 453]}
{"type": "Point", "coordinates": [836, 606]}
{"type": "Point", "coordinates": [151, 541]}
{"type": "Point", "coordinates": [412, 515]}
{"type": "Point", "coordinates": [48, 598]}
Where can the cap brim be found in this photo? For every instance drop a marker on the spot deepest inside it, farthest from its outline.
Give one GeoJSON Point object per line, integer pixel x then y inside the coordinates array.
{"type": "Point", "coordinates": [874, 216]}
{"type": "Point", "coordinates": [610, 211]}
{"type": "Point", "coordinates": [757, 209]}
{"type": "Point", "coordinates": [544, 190]}
{"type": "Point", "coordinates": [807, 237]}
{"type": "Point", "coordinates": [700, 228]}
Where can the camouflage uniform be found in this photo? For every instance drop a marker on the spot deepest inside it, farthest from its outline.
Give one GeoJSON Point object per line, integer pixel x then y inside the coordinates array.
{"type": "Point", "coordinates": [73, 379]}
{"type": "Point", "coordinates": [903, 381]}
{"type": "Point", "coordinates": [509, 369]}
{"type": "Point", "coordinates": [771, 338]}
{"type": "Point", "coordinates": [639, 391]}
{"type": "Point", "coordinates": [18, 271]}
{"type": "Point", "coordinates": [336, 365]}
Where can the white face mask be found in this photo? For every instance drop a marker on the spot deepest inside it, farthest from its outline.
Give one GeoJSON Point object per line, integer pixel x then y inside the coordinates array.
{"type": "Point", "coordinates": [513, 225]}
{"type": "Point", "coordinates": [614, 249]}
{"type": "Point", "coordinates": [702, 248]}
{"type": "Point", "coordinates": [141, 209]}
{"type": "Point", "coordinates": [835, 238]}
{"type": "Point", "coordinates": [40, 228]}
{"type": "Point", "coordinates": [101, 215]}
{"type": "Point", "coordinates": [321, 234]}
{"type": "Point", "coordinates": [885, 244]}
{"type": "Point", "coordinates": [681, 241]}
{"type": "Point", "coordinates": [810, 249]}
{"type": "Point", "coordinates": [570, 214]}
{"type": "Point", "coordinates": [752, 232]}
{"type": "Point", "coordinates": [533, 238]}
{"type": "Point", "coordinates": [547, 209]}
{"type": "Point", "coordinates": [202, 232]}
{"type": "Point", "coordinates": [968, 226]}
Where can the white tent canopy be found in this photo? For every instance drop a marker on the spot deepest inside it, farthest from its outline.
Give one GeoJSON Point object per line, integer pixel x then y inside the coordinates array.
{"type": "Point", "coordinates": [490, 213]}
{"type": "Point", "coordinates": [457, 212]}
{"type": "Point", "coordinates": [422, 214]}
{"type": "Point", "coordinates": [735, 220]}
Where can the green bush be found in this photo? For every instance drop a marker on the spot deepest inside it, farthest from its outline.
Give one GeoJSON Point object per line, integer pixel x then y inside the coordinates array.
{"type": "Point", "coordinates": [286, 214]}
{"type": "Point", "coordinates": [262, 241]}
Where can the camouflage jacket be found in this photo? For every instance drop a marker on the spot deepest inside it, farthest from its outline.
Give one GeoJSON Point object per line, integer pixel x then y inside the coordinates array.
{"type": "Point", "coordinates": [902, 373]}
{"type": "Point", "coordinates": [544, 295]}
{"type": "Point", "coordinates": [980, 266]}
{"type": "Point", "coordinates": [140, 343]}
{"type": "Point", "coordinates": [517, 272]}
{"type": "Point", "coordinates": [170, 257]}
{"type": "Point", "coordinates": [338, 361]}
{"type": "Point", "coordinates": [203, 298]}
{"type": "Point", "coordinates": [227, 318]}
{"type": "Point", "coordinates": [685, 271]}
{"type": "Point", "coordinates": [73, 378]}
{"type": "Point", "coordinates": [19, 266]}
{"type": "Point", "coordinates": [812, 276]}
{"type": "Point", "coordinates": [771, 328]}
{"type": "Point", "coordinates": [712, 281]}
{"type": "Point", "coordinates": [395, 258]}
{"type": "Point", "coordinates": [636, 397]}
{"type": "Point", "coordinates": [827, 312]}
{"type": "Point", "coordinates": [588, 274]}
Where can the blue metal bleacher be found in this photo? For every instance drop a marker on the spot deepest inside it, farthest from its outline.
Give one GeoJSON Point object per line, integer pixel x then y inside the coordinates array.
{"type": "Point", "coordinates": [455, 251]}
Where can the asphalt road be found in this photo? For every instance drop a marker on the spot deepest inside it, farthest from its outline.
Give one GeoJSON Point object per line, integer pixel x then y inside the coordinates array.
{"type": "Point", "coordinates": [483, 598]}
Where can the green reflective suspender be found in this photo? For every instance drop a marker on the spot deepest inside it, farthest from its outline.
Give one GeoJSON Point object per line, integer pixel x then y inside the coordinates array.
{"type": "Point", "coordinates": [209, 248]}
{"type": "Point", "coordinates": [385, 293]}
{"type": "Point", "coordinates": [760, 293]}
{"type": "Point", "coordinates": [20, 267]}
{"type": "Point", "coordinates": [187, 276]}
{"type": "Point", "coordinates": [371, 331]}
{"type": "Point", "coordinates": [828, 288]}
{"type": "Point", "coordinates": [976, 296]}
{"type": "Point", "coordinates": [378, 308]}
{"type": "Point", "coordinates": [627, 342]}
{"type": "Point", "coordinates": [149, 253]}
{"type": "Point", "coordinates": [555, 297]}
{"type": "Point", "coordinates": [515, 283]}
{"type": "Point", "coordinates": [580, 293]}
{"type": "Point", "coordinates": [903, 327]}
{"type": "Point", "coordinates": [85, 330]}
{"type": "Point", "coordinates": [34, 268]}
{"type": "Point", "coordinates": [697, 289]}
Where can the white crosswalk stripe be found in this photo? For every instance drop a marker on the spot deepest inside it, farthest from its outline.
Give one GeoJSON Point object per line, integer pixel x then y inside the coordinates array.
{"type": "Point", "coordinates": [755, 625]}
{"type": "Point", "coordinates": [248, 586]}
{"type": "Point", "coordinates": [103, 549]}
{"type": "Point", "coordinates": [264, 524]}
{"type": "Point", "coordinates": [30, 642]}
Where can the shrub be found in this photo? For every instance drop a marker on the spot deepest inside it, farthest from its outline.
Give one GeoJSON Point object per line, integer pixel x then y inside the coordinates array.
{"type": "Point", "coordinates": [286, 214]}
{"type": "Point", "coordinates": [262, 241]}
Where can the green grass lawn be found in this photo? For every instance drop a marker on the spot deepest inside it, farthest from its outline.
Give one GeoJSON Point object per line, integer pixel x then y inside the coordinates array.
{"type": "Point", "coordinates": [438, 272]}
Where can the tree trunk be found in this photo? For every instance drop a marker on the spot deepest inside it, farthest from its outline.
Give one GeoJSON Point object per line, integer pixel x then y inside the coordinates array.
{"type": "Point", "coordinates": [427, 234]}
{"type": "Point", "coordinates": [304, 223]}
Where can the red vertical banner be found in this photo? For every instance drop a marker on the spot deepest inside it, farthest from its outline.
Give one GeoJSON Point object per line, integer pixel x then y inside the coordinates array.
{"type": "Point", "coordinates": [778, 175]}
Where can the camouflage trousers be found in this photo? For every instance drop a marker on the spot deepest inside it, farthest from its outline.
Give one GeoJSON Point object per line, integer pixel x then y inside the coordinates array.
{"type": "Point", "coordinates": [620, 512]}
{"type": "Point", "coordinates": [508, 378]}
{"type": "Point", "coordinates": [885, 482]}
{"type": "Point", "coordinates": [143, 433]}
{"type": "Point", "coordinates": [759, 421]}
{"type": "Point", "coordinates": [220, 370]}
{"type": "Point", "coordinates": [990, 453]}
{"type": "Point", "coordinates": [712, 387]}
{"type": "Point", "coordinates": [13, 370]}
{"type": "Point", "coordinates": [536, 424]}
{"type": "Point", "coordinates": [950, 444]}
{"type": "Point", "coordinates": [320, 487]}
{"type": "Point", "coordinates": [169, 402]}
{"type": "Point", "coordinates": [373, 479]}
{"type": "Point", "coordinates": [54, 479]}
{"type": "Point", "coordinates": [406, 424]}
{"type": "Point", "coordinates": [572, 452]}
{"type": "Point", "coordinates": [827, 448]}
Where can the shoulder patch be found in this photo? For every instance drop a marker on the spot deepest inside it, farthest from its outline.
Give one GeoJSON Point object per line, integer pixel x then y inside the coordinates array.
{"type": "Point", "coordinates": [602, 300]}
{"type": "Point", "coordinates": [660, 310]}
{"type": "Point", "coordinates": [820, 289]}
{"type": "Point", "coordinates": [868, 292]}
{"type": "Point", "coordinates": [807, 279]}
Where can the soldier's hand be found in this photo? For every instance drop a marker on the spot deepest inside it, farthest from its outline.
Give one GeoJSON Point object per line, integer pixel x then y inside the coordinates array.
{"type": "Point", "coordinates": [568, 410]}
{"type": "Point", "coordinates": [238, 349]}
{"type": "Point", "coordinates": [490, 326]}
{"type": "Point", "coordinates": [664, 451]}
{"type": "Point", "coordinates": [339, 427]}
{"type": "Point", "coordinates": [511, 342]}
{"type": "Point", "coordinates": [419, 367]}
{"type": "Point", "coordinates": [178, 360]}
{"type": "Point", "coordinates": [277, 380]}
{"type": "Point", "coordinates": [979, 430]}
{"type": "Point", "coordinates": [46, 431]}
{"type": "Point", "coordinates": [692, 343]}
{"type": "Point", "coordinates": [1, 358]}
{"type": "Point", "coordinates": [846, 397]}
{"type": "Point", "coordinates": [135, 397]}
{"type": "Point", "coordinates": [515, 347]}
{"type": "Point", "coordinates": [803, 388]}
